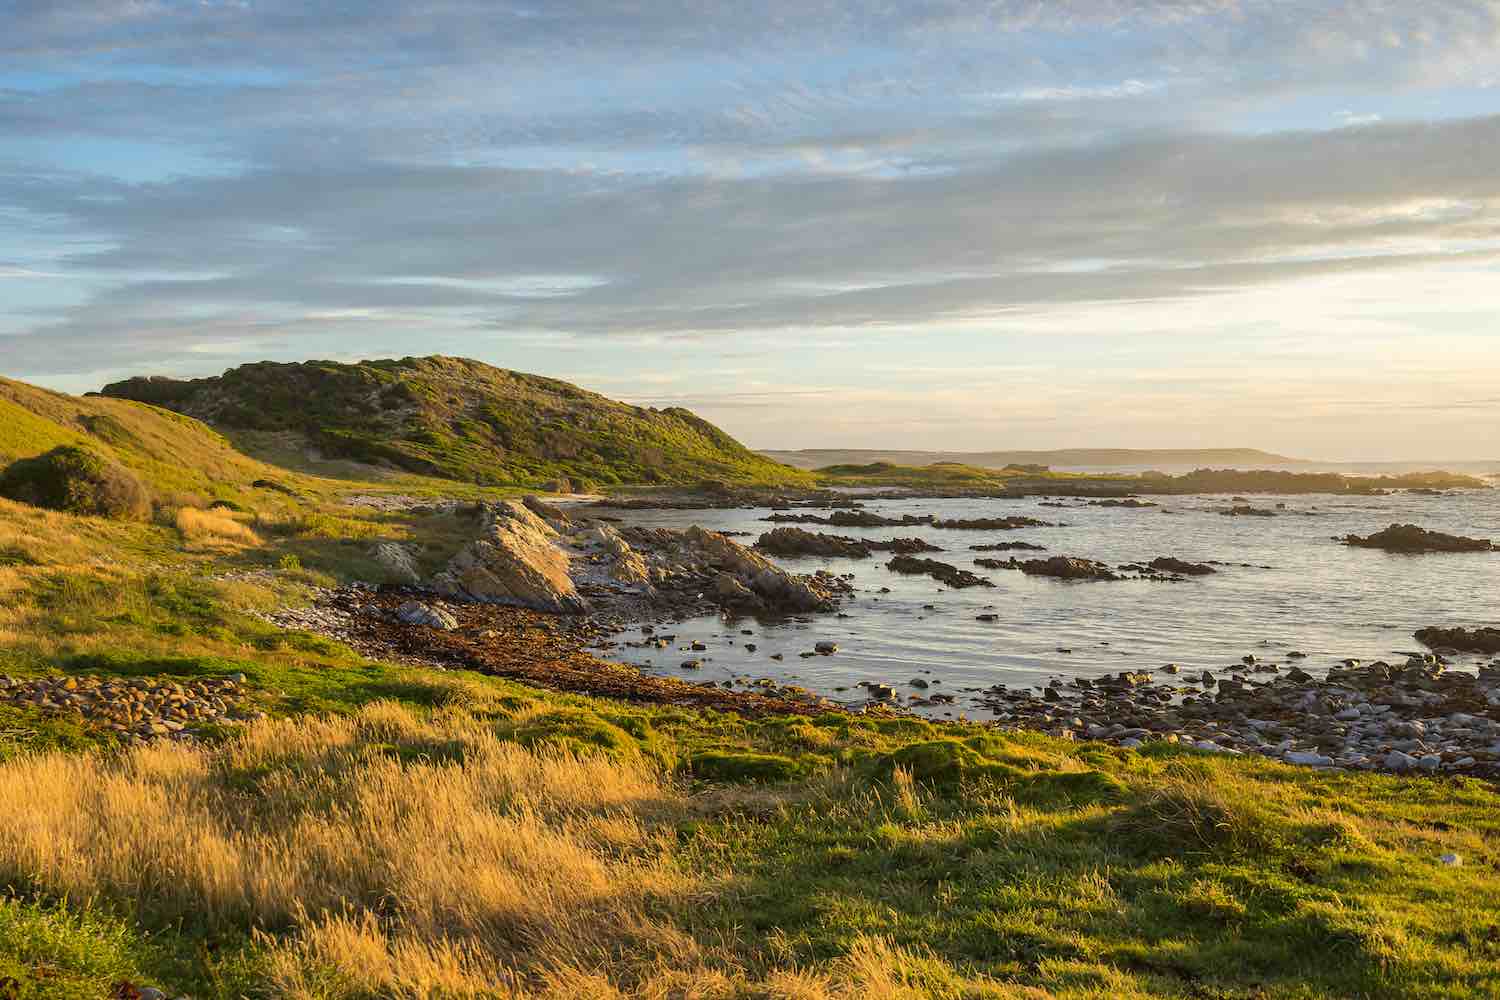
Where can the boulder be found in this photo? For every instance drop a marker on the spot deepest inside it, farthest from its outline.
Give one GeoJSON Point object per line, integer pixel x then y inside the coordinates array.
{"type": "Point", "coordinates": [515, 560]}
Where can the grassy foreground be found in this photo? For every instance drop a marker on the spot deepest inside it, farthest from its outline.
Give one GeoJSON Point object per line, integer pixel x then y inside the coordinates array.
{"type": "Point", "coordinates": [394, 831]}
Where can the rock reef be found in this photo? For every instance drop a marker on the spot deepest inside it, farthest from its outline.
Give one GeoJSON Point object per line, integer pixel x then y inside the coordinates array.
{"type": "Point", "coordinates": [1412, 539]}
{"type": "Point", "coordinates": [789, 541]}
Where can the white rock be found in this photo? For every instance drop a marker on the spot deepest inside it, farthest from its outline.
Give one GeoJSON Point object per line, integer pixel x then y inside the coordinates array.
{"type": "Point", "coordinates": [396, 562]}
{"type": "Point", "coordinates": [417, 613]}
{"type": "Point", "coordinates": [1309, 757]}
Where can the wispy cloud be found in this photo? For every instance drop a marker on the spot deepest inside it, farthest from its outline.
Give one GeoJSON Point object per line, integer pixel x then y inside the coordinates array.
{"type": "Point", "coordinates": [188, 181]}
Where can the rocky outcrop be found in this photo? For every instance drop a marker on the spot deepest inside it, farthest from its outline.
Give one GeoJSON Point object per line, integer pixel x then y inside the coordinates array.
{"type": "Point", "coordinates": [1170, 564]}
{"type": "Point", "coordinates": [515, 560]}
{"type": "Point", "coordinates": [627, 566]}
{"type": "Point", "coordinates": [1479, 640]}
{"type": "Point", "coordinates": [797, 542]}
{"type": "Point", "coordinates": [1411, 539]}
{"type": "Point", "coordinates": [1008, 547]}
{"type": "Point", "coordinates": [944, 573]}
{"type": "Point", "coordinates": [768, 585]}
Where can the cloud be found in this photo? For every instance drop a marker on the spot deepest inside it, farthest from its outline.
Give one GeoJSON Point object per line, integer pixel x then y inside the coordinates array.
{"type": "Point", "coordinates": [189, 180]}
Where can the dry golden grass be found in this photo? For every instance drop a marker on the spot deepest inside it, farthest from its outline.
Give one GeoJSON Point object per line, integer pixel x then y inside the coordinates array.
{"type": "Point", "coordinates": [447, 851]}
{"type": "Point", "coordinates": [206, 527]}
{"type": "Point", "coordinates": [394, 855]}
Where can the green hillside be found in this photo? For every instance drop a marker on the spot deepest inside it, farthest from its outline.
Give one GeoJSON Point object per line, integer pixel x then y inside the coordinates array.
{"type": "Point", "coordinates": [463, 420]}
{"type": "Point", "coordinates": [167, 450]}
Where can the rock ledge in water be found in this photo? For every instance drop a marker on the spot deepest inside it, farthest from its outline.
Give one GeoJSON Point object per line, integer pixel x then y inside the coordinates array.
{"type": "Point", "coordinates": [1409, 538]}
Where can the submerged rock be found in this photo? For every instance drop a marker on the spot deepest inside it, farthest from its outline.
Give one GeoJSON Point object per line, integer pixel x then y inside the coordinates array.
{"type": "Point", "coordinates": [1245, 510]}
{"type": "Point", "coordinates": [992, 523]}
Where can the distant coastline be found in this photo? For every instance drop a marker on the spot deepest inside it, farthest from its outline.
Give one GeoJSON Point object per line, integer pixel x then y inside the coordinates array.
{"type": "Point", "coordinates": [817, 458]}
{"type": "Point", "coordinates": [1169, 460]}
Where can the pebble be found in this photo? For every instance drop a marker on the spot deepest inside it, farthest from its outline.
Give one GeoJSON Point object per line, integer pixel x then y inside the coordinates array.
{"type": "Point", "coordinates": [137, 708]}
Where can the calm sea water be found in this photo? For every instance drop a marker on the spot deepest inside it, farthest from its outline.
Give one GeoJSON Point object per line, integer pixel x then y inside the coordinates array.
{"type": "Point", "coordinates": [1318, 596]}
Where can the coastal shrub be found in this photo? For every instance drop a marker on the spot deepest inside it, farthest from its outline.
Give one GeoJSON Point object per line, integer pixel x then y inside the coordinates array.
{"type": "Point", "coordinates": [77, 480]}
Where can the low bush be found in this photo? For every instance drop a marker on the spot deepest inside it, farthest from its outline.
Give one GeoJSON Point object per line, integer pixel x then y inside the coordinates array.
{"type": "Point", "coordinates": [77, 480]}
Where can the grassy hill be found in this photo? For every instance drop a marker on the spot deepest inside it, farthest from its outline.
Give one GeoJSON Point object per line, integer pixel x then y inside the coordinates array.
{"type": "Point", "coordinates": [169, 451]}
{"type": "Point", "coordinates": [463, 420]}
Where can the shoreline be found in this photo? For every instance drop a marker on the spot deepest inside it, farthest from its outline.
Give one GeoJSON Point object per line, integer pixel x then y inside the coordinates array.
{"type": "Point", "coordinates": [1417, 718]}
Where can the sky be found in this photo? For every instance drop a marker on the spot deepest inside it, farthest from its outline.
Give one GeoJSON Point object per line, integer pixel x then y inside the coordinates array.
{"type": "Point", "coordinates": [941, 224]}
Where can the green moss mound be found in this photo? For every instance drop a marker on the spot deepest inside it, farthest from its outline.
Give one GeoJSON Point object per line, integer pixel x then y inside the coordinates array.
{"type": "Point", "coordinates": [944, 763]}
{"type": "Point", "coordinates": [744, 766]}
{"type": "Point", "coordinates": [77, 480]}
{"type": "Point", "coordinates": [583, 732]}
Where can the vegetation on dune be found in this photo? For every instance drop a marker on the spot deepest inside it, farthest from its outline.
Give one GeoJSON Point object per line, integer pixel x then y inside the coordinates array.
{"type": "Point", "coordinates": [463, 420]}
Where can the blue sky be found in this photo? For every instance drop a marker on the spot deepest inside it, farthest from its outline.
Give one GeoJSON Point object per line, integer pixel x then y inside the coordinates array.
{"type": "Point", "coordinates": [940, 224]}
